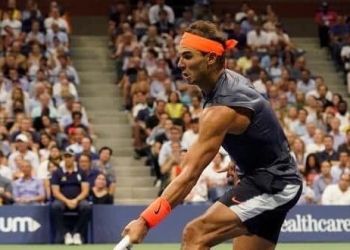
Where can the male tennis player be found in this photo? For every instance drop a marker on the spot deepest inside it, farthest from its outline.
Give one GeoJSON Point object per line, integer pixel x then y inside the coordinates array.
{"type": "Point", "coordinates": [237, 117]}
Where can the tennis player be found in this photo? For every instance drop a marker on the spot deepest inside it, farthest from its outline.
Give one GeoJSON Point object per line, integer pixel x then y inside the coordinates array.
{"type": "Point", "coordinates": [237, 117]}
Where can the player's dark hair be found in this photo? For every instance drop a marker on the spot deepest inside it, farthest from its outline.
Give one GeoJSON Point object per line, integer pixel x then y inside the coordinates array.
{"type": "Point", "coordinates": [210, 31]}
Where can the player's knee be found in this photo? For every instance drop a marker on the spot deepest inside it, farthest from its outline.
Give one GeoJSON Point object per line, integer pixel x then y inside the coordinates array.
{"type": "Point", "coordinates": [193, 232]}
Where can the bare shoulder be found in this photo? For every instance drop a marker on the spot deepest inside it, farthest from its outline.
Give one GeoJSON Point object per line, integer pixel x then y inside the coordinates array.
{"type": "Point", "coordinates": [234, 120]}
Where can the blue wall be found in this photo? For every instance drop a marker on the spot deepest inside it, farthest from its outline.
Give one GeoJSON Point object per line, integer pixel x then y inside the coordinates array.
{"type": "Point", "coordinates": [19, 225]}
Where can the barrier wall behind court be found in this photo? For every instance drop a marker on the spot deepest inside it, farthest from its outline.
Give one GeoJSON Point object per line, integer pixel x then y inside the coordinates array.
{"type": "Point", "coordinates": [32, 225]}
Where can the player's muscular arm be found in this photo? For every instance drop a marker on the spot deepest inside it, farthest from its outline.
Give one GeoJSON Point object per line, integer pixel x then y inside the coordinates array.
{"type": "Point", "coordinates": [214, 124]}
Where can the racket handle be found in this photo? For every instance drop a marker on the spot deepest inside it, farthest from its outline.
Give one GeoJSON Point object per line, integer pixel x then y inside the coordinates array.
{"type": "Point", "coordinates": [124, 244]}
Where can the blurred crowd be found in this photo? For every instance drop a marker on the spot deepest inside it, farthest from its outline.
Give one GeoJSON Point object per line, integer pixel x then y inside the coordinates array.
{"type": "Point", "coordinates": [165, 109]}
{"type": "Point", "coordinates": [43, 126]}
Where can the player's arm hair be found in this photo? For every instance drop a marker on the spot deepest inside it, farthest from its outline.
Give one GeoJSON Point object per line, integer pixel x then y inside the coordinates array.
{"type": "Point", "coordinates": [215, 123]}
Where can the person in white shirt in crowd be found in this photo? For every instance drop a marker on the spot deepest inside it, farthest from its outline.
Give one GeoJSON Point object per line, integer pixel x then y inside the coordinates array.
{"type": "Point", "coordinates": [258, 39]}
{"type": "Point", "coordinates": [343, 166]}
{"type": "Point", "coordinates": [3, 91]}
{"type": "Point", "coordinates": [55, 18]}
{"type": "Point", "coordinates": [298, 153]}
{"type": "Point", "coordinates": [39, 90]}
{"type": "Point", "coordinates": [343, 115]}
{"type": "Point", "coordinates": [61, 37]}
{"type": "Point", "coordinates": [338, 194]}
{"type": "Point", "coordinates": [308, 195]}
{"type": "Point", "coordinates": [175, 136]}
{"type": "Point", "coordinates": [321, 90]}
{"type": "Point", "coordinates": [338, 136]}
{"type": "Point", "coordinates": [317, 145]}
{"type": "Point", "coordinates": [313, 107]}
{"type": "Point", "coordinates": [5, 171]}
{"type": "Point", "coordinates": [22, 146]}
{"type": "Point", "coordinates": [54, 156]}
{"type": "Point", "coordinates": [154, 12]}
{"type": "Point", "coordinates": [308, 138]}
{"type": "Point", "coordinates": [291, 118]}
{"type": "Point", "coordinates": [158, 88]}
{"type": "Point", "coordinates": [77, 147]}
{"type": "Point", "coordinates": [35, 35]}
{"type": "Point", "coordinates": [199, 193]}
{"type": "Point", "coordinates": [9, 25]}
{"type": "Point", "coordinates": [140, 103]}
{"type": "Point", "coordinates": [299, 127]}
{"type": "Point", "coordinates": [306, 84]}
{"type": "Point", "coordinates": [65, 66]}
{"type": "Point", "coordinates": [217, 181]}
{"type": "Point", "coordinates": [63, 83]}
{"type": "Point", "coordinates": [191, 135]}
{"type": "Point", "coordinates": [321, 181]}
{"type": "Point", "coordinates": [260, 84]}
{"type": "Point", "coordinates": [242, 13]}
{"type": "Point", "coordinates": [66, 110]}
{"type": "Point", "coordinates": [45, 108]}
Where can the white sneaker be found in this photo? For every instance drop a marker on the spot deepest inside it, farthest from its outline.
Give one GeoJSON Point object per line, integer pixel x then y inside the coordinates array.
{"type": "Point", "coordinates": [68, 240]}
{"type": "Point", "coordinates": [77, 239]}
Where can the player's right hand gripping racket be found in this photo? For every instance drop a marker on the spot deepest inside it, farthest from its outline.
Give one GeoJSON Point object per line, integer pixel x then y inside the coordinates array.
{"type": "Point", "coordinates": [124, 244]}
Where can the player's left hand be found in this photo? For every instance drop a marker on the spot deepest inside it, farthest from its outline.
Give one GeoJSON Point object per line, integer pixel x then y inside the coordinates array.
{"type": "Point", "coordinates": [137, 230]}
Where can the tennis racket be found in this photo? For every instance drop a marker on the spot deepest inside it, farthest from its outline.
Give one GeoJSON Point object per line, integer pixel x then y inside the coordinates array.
{"type": "Point", "coordinates": [124, 244]}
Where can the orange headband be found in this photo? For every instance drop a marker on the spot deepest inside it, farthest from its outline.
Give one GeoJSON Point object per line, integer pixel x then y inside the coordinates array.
{"type": "Point", "coordinates": [192, 41]}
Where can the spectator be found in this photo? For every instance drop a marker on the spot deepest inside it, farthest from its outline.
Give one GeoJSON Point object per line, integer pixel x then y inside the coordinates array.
{"type": "Point", "coordinates": [171, 162]}
{"type": "Point", "coordinates": [55, 18]}
{"type": "Point", "coordinates": [191, 135]}
{"type": "Point", "coordinates": [70, 189]}
{"type": "Point", "coordinates": [78, 134]}
{"type": "Point", "coordinates": [51, 167]}
{"type": "Point", "coordinates": [45, 108]}
{"type": "Point", "coordinates": [257, 39]}
{"type": "Point", "coordinates": [99, 193]}
{"type": "Point", "coordinates": [306, 84]}
{"type": "Point", "coordinates": [155, 10]}
{"type": "Point", "coordinates": [22, 145]}
{"type": "Point", "coordinates": [85, 164]}
{"type": "Point", "coordinates": [338, 194]}
{"type": "Point", "coordinates": [343, 166]}
{"type": "Point", "coordinates": [174, 107]}
{"type": "Point", "coordinates": [312, 167]}
{"type": "Point", "coordinates": [175, 136]}
{"type": "Point", "coordinates": [328, 154]}
{"type": "Point", "coordinates": [299, 154]}
{"type": "Point", "coordinates": [5, 191]}
{"type": "Point", "coordinates": [25, 127]}
{"type": "Point", "coordinates": [322, 181]}
{"type": "Point", "coordinates": [338, 136]}
{"type": "Point", "coordinates": [105, 166]}
{"type": "Point", "coordinates": [55, 157]}
{"type": "Point", "coordinates": [77, 122]}
{"type": "Point", "coordinates": [308, 195]}
{"type": "Point", "coordinates": [87, 149]}
{"type": "Point", "coordinates": [325, 18]}
{"type": "Point", "coordinates": [4, 170]}
{"type": "Point", "coordinates": [346, 145]}
{"type": "Point", "coordinates": [28, 190]}
{"type": "Point", "coordinates": [217, 182]}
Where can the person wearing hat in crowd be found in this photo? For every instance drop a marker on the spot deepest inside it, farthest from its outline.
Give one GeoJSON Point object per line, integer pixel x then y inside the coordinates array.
{"type": "Point", "coordinates": [23, 151]}
{"type": "Point", "coordinates": [70, 190]}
